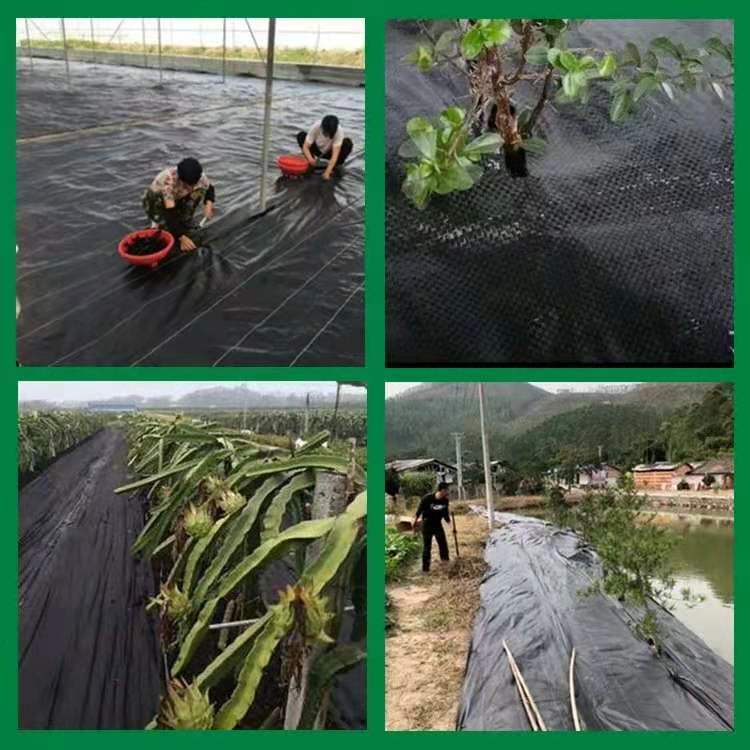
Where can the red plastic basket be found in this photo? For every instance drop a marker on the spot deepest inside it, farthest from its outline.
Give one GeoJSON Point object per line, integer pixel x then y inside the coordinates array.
{"type": "Point", "coordinates": [145, 260]}
{"type": "Point", "coordinates": [293, 165]}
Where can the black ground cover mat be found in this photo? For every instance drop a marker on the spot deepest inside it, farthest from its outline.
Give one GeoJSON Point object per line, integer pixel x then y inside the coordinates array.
{"type": "Point", "coordinates": [617, 249]}
{"type": "Point", "coordinates": [88, 652]}
{"type": "Point", "coordinates": [532, 598]}
{"type": "Point", "coordinates": [283, 288]}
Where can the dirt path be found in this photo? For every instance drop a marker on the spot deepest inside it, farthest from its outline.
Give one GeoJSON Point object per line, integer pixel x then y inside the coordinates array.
{"type": "Point", "coordinates": [426, 649]}
{"type": "Point", "coordinates": [88, 654]}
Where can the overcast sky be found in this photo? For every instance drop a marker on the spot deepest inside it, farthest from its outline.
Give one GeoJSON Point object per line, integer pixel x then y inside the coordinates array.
{"type": "Point", "coordinates": [393, 389]}
{"type": "Point", "coordinates": [93, 390]}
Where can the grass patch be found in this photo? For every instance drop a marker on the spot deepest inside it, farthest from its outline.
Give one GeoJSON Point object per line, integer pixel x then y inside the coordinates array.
{"type": "Point", "coordinates": [306, 55]}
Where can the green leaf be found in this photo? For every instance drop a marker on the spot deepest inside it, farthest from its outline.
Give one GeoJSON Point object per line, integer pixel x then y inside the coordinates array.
{"type": "Point", "coordinates": [716, 86]}
{"type": "Point", "coordinates": [416, 187]}
{"type": "Point", "coordinates": [257, 660]}
{"type": "Point", "coordinates": [471, 43]}
{"type": "Point", "coordinates": [668, 90]}
{"type": "Point", "coordinates": [408, 150]}
{"type": "Point", "coordinates": [538, 54]}
{"type": "Point", "coordinates": [631, 54]}
{"type": "Point", "coordinates": [646, 85]}
{"type": "Point", "coordinates": [534, 145]}
{"type": "Point", "coordinates": [424, 135]}
{"type": "Point", "coordinates": [245, 473]}
{"type": "Point", "coordinates": [620, 106]}
{"type": "Point", "coordinates": [608, 66]}
{"type": "Point", "coordinates": [447, 42]}
{"type": "Point", "coordinates": [487, 143]}
{"type": "Point", "coordinates": [158, 477]}
{"type": "Point", "coordinates": [650, 62]}
{"type": "Point", "coordinates": [240, 527]}
{"type": "Point", "coordinates": [225, 662]}
{"type": "Point", "coordinates": [716, 47]}
{"type": "Point", "coordinates": [453, 117]}
{"type": "Point", "coordinates": [665, 45]}
{"type": "Point", "coordinates": [568, 60]}
{"type": "Point", "coordinates": [304, 533]}
{"type": "Point", "coordinates": [337, 545]}
{"type": "Point", "coordinates": [194, 637]}
{"type": "Point", "coordinates": [453, 177]}
{"type": "Point", "coordinates": [553, 57]}
{"type": "Point", "coordinates": [496, 32]}
{"type": "Point", "coordinates": [275, 513]}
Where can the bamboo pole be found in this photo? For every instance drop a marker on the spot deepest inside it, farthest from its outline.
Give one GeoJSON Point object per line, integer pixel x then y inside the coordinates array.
{"type": "Point", "coordinates": [519, 679]}
{"type": "Point", "coordinates": [571, 681]}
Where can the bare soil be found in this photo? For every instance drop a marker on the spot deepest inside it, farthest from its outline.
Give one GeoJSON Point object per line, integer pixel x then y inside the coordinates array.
{"type": "Point", "coordinates": [426, 648]}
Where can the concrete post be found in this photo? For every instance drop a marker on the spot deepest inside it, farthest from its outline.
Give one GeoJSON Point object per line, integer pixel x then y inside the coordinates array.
{"type": "Point", "coordinates": [65, 49]}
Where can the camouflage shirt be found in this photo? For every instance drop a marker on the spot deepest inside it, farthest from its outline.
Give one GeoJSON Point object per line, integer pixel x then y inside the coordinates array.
{"type": "Point", "coordinates": [168, 185]}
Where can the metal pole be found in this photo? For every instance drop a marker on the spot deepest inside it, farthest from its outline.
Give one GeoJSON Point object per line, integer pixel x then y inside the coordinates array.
{"type": "Point", "coordinates": [458, 436]}
{"type": "Point", "coordinates": [28, 44]}
{"type": "Point", "coordinates": [486, 458]}
{"type": "Point", "coordinates": [93, 43]}
{"type": "Point", "coordinates": [224, 51]}
{"type": "Point", "coordinates": [267, 111]}
{"type": "Point", "coordinates": [158, 34]}
{"type": "Point", "coordinates": [65, 49]}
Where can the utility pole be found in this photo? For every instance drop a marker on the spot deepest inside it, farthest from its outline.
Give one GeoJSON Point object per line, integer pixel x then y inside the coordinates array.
{"type": "Point", "coordinates": [458, 437]}
{"type": "Point", "coordinates": [486, 458]}
{"type": "Point", "coordinates": [307, 414]}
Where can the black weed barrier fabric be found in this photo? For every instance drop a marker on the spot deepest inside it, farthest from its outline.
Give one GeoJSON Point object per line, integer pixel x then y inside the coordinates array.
{"type": "Point", "coordinates": [88, 652]}
{"type": "Point", "coordinates": [285, 288]}
{"type": "Point", "coordinates": [617, 249]}
{"type": "Point", "coordinates": [532, 598]}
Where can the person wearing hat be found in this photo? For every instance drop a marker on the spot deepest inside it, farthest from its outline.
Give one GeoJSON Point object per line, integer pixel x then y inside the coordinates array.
{"type": "Point", "coordinates": [174, 195]}
{"type": "Point", "coordinates": [433, 510]}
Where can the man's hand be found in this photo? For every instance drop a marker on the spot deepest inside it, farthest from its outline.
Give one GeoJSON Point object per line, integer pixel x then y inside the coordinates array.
{"type": "Point", "coordinates": [186, 244]}
{"type": "Point", "coordinates": [311, 160]}
{"type": "Point", "coordinates": [208, 210]}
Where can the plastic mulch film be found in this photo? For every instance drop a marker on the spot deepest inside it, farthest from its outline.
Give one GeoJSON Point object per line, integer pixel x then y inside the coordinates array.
{"type": "Point", "coordinates": [284, 288]}
{"type": "Point", "coordinates": [533, 598]}
{"type": "Point", "coordinates": [617, 249]}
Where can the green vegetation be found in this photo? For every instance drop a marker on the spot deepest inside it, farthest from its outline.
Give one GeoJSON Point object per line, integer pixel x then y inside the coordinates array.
{"type": "Point", "coordinates": [351, 58]}
{"type": "Point", "coordinates": [42, 436]}
{"type": "Point", "coordinates": [400, 550]}
{"type": "Point", "coordinates": [637, 556]}
{"type": "Point", "coordinates": [417, 483]}
{"type": "Point", "coordinates": [533, 430]}
{"type": "Point", "coordinates": [501, 57]}
{"type": "Point", "coordinates": [224, 505]}
{"type": "Point", "coordinates": [281, 422]}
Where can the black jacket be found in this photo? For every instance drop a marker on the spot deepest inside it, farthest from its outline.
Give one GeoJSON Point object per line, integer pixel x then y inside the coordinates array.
{"type": "Point", "coordinates": [433, 511]}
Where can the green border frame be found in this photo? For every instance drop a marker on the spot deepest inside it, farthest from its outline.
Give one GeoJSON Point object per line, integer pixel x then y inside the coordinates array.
{"type": "Point", "coordinates": [374, 371]}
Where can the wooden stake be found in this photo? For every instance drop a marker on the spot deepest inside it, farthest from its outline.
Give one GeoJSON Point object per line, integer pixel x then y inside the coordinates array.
{"type": "Point", "coordinates": [522, 684]}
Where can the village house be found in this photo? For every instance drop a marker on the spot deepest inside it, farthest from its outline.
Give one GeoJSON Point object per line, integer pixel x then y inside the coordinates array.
{"type": "Point", "coordinates": [597, 477]}
{"type": "Point", "coordinates": [443, 471]}
{"type": "Point", "coordinates": [721, 470]}
{"type": "Point", "coordinates": [662, 475]}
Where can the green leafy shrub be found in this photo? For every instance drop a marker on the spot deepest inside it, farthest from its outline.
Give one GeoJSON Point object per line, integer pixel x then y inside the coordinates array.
{"type": "Point", "coordinates": [498, 55]}
{"type": "Point", "coordinates": [400, 549]}
{"type": "Point", "coordinates": [417, 483]}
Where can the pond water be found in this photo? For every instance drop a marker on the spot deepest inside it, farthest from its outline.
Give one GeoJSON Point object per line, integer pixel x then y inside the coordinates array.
{"type": "Point", "coordinates": [704, 563]}
{"type": "Point", "coordinates": [704, 559]}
